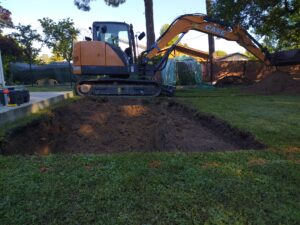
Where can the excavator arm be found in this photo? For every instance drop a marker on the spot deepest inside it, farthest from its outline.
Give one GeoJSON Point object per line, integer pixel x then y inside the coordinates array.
{"type": "Point", "coordinates": [202, 23]}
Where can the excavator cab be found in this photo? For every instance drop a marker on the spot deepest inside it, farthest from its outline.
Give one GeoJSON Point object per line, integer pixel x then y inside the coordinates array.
{"type": "Point", "coordinates": [110, 52]}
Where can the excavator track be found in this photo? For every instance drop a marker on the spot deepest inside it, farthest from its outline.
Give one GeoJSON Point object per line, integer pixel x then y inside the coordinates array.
{"type": "Point", "coordinates": [118, 87]}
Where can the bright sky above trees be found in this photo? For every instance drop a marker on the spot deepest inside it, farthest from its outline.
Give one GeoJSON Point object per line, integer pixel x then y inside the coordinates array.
{"type": "Point", "coordinates": [29, 11]}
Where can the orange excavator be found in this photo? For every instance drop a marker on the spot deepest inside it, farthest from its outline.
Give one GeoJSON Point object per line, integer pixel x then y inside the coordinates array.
{"type": "Point", "coordinates": [107, 64]}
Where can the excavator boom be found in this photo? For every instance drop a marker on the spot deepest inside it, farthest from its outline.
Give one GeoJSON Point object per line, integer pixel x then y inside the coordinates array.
{"type": "Point", "coordinates": [202, 23]}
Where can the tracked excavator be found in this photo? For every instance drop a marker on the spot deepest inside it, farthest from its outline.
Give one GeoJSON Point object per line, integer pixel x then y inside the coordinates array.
{"type": "Point", "coordinates": [107, 63]}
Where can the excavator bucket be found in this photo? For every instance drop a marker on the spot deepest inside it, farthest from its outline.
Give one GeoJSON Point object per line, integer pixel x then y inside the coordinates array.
{"type": "Point", "coordinates": [285, 58]}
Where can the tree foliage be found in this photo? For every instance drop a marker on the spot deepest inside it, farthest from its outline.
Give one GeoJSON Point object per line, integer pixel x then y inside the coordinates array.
{"type": "Point", "coordinates": [220, 53]}
{"type": "Point", "coordinates": [26, 37]}
{"type": "Point", "coordinates": [5, 18]}
{"type": "Point", "coordinates": [276, 21]}
{"type": "Point", "coordinates": [11, 52]}
{"type": "Point", "coordinates": [85, 4]}
{"type": "Point", "coordinates": [250, 55]}
{"type": "Point", "coordinates": [9, 46]}
{"type": "Point", "coordinates": [44, 59]}
{"type": "Point", "coordinates": [60, 36]}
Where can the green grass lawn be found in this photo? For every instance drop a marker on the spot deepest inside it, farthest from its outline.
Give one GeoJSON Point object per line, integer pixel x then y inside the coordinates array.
{"type": "Point", "coordinates": [275, 120]}
{"type": "Point", "coordinates": [247, 187]}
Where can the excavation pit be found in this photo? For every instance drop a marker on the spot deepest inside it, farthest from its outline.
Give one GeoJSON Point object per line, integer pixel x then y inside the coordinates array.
{"type": "Point", "coordinates": [114, 125]}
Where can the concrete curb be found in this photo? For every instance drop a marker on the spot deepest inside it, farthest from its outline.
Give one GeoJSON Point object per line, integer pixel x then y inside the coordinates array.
{"type": "Point", "coordinates": [12, 114]}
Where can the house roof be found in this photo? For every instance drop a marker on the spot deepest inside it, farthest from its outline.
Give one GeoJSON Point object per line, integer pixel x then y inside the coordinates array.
{"type": "Point", "coordinates": [190, 51]}
{"type": "Point", "coordinates": [233, 57]}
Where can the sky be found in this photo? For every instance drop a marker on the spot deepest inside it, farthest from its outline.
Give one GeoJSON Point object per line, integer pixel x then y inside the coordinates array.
{"type": "Point", "coordinates": [132, 11]}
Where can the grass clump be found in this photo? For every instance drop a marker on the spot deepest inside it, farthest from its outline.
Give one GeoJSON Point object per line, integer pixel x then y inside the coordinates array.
{"type": "Point", "coordinates": [159, 188]}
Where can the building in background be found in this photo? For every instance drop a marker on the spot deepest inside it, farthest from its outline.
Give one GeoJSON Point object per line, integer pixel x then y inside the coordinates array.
{"type": "Point", "coordinates": [233, 57]}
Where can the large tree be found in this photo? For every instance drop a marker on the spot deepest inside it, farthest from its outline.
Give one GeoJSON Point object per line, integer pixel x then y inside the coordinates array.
{"type": "Point", "coordinates": [5, 43]}
{"type": "Point", "coordinates": [5, 18]}
{"type": "Point", "coordinates": [277, 22]}
{"type": "Point", "coordinates": [85, 5]}
{"type": "Point", "coordinates": [60, 37]}
{"type": "Point", "coordinates": [26, 37]}
{"type": "Point", "coordinates": [11, 52]}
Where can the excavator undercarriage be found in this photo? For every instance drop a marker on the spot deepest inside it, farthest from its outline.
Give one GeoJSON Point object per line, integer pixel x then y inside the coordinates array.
{"type": "Point", "coordinates": [118, 87]}
{"type": "Point", "coordinates": [107, 64]}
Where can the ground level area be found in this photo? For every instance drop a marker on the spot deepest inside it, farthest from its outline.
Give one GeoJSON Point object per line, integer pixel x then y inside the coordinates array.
{"type": "Point", "coordinates": [106, 125]}
{"type": "Point", "coordinates": [212, 186]}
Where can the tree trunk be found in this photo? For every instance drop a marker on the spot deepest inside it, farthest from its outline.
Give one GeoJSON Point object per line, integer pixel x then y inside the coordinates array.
{"type": "Point", "coordinates": [211, 42]}
{"type": "Point", "coordinates": [149, 22]}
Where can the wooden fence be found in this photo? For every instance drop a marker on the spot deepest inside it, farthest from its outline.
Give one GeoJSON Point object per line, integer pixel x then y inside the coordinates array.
{"type": "Point", "coordinates": [253, 70]}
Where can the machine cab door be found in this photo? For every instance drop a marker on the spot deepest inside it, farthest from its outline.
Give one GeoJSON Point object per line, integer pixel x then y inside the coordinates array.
{"type": "Point", "coordinates": [117, 36]}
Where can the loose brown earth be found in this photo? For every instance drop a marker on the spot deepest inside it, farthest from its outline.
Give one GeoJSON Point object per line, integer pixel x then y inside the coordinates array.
{"type": "Point", "coordinates": [102, 125]}
{"type": "Point", "coordinates": [276, 83]}
{"type": "Point", "coordinates": [229, 81]}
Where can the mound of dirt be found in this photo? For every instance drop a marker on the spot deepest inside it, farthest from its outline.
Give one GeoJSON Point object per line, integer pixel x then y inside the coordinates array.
{"type": "Point", "coordinates": [276, 83]}
{"type": "Point", "coordinates": [102, 125]}
{"type": "Point", "coordinates": [232, 81]}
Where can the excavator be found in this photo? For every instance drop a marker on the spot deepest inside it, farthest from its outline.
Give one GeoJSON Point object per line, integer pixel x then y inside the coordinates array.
{"type": "Point", "coordinates": [107, 64]}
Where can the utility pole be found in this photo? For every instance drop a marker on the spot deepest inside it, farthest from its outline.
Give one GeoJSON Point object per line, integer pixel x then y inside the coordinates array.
{"type": "Point", "coordinates": [211, 42]}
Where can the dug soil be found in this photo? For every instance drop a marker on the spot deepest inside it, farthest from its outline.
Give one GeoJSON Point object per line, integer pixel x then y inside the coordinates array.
{"type": "Point", "coordinates": [107, 125]}
{"type": "Point", "coordinates": [276, 83]}
{"type": "Point", "coordinates": [230, 81]}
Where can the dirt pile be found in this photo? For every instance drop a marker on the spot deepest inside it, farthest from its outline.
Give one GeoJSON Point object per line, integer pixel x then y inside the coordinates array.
{"type": "Point", "coordinates": [276, 83]}
{"type": "Point", "coordinates": [93, 125]}
{"type": "Point", "coordinates": [229, 81]}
